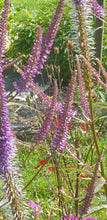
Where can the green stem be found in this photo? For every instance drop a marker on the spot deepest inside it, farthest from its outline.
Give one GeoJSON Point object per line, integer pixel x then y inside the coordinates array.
{"type": "Point", "coordinates": [77, 173]}
{"type": "Point", "coordinates": [26, 159]}
{"type": "Point", "coordinates": [61, 202]}
{"type": "Point", "coordinates": [71, 188]}
{"type": "Point", "coordinates": [84, 48]}
{"type": "Point", "coordinates": [35, 175]}
{"type": "Point", "coordinates": [94, 135]}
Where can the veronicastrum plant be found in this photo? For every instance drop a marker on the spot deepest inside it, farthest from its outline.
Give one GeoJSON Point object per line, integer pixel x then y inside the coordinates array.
{"type": "Point", "coordinates": [62, 143]}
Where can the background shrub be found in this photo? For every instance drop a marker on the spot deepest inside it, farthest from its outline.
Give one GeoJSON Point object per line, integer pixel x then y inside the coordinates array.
{"type": "Point", "coordinates": [21, 31]}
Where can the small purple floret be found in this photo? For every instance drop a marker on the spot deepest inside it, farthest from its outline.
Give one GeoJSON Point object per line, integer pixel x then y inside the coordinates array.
{"type": "Point", "coordinates": [37, 209]}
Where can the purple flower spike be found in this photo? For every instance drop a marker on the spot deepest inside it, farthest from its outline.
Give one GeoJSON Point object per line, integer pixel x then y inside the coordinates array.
{"type": "Point", "coordinates": [7, 143]}
{"type": "Point", "coordinates": [90, 192]}
{"type": "Point", "coordinates": [41, 134]}
{"type": "Point", "coordinates": [45, 98]}
{"type": "Point", "coordinates": [95, 73]}
{"type": "Point", "coordinates": [51, 33]}
{"type": "Point", "coordinates": [60, 140]}
{"type": "Point", "coordinates": [40, 50]}
{"type": "Point", "coordinates": [37, 209]}
{"type": "Point", "coordinates": [84, 101]}
{"type": "Point", "coordinates": [32, 65]}
{"type": "Point", "coordinates": [35, 54]}
{"type": "Point", "coordinates": [8, 65]}
{"type": "Point", "coordinates": [7, 157]}
{"type": "Point", "coordinates": [97, 10]}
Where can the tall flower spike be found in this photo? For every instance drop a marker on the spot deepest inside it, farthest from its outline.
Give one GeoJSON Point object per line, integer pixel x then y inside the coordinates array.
{"type": "Point", "coordinates": [85, 38]}
{"type": "Point", "coordinates": [102, 69]}
{"type": "Point", "coordinates": [60, 140]}
{"type": "Point", "coordinates": [95, 73]}
{"type": "Point", "coordinates": [7, 156]}
{"type": "Point", "coordinates": [3, 28]}
{"type": "Point", "coordinates": [7, 145]}
{"type": "Point", "coordinates": [42, 96]}
{"type": "Point", "coordinates": [97, 10]}
{"type": "Point", "coordinates": [90, 192]}
{"type": "Point", "coordinates": [41, 134]}
{"type": "Point", "coordinates": [84, 102]}
{"type": "Point", "coordinates": [40, 50]}
{"type": "Point", "coordinates": [8, 65]}
{"type": "Point", "coordinates": [45, 98]}
{"type": "Point", "coordinates": [32, 65]}
{"type": "Point", "coordinates": [51, 33]}
{"type": "Point", "coordinates": [7, 141]}
{"type": "Point", "coordinates": [81, 25]}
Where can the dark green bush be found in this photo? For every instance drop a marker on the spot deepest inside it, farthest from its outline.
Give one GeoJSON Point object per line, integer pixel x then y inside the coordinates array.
{"type": "Point", "coordinates": [21, 33]}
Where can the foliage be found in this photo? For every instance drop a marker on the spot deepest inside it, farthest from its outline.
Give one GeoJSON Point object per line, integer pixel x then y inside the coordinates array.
{"type": "Point", "coordinates": [63, 167]}
{"type": "Point", "coordinates": [21, 31]}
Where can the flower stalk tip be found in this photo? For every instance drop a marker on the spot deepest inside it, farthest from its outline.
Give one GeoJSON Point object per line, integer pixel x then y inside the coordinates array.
{"type": "Point", "coordinates": [51, 33]}
{"type": "Point", "coordinates": [60, 140]}
{"type": "Point", "coordinates": [30, 70]}
{"type": "Point", "coordinates": [41, 134]}
{"type": "Point", "coordinates": [37, 209]}
{"type": "Point", "coordinates": [84, 101]}
{"type": "Point", "coordinates": [90, 191]}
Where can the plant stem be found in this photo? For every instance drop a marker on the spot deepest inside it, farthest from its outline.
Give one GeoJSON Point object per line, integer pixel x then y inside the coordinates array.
{"type": "Point", "coordinates": [59, 185]}
{"type": "Point", "coordinates": [94, 134]}
{"type": "Point", "coordinates": [35, 175]}
{"type": "Point", "coordinates": [77, 174]}
{"type": "Point", "coordinates": [26, 159]}
{"type": "Point", "coordinates": [68, 176]}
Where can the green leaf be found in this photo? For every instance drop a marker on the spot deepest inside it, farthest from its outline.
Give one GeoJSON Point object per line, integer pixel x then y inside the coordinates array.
{"type": "Point", "coordinates": [16, 104]}
{"type": "Point", "coordinates": [100, 106]}
{"type": "Point", "coordinates": [28, 14]}
{"type": "Point", "coordinates": [96, 209]}
{"type": "Point", "coordinates": [102, 103]}
{"type": "Point", "coordinates": [100, 197]}
{"type": "Point", "coordinates": [80, 171]}
{"type": "Point", "coordinates": [100, 182]}
{"type": "Point", "coordinates": [3, 201]}
{"type": "Point", "coordinates": [105, 116]}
